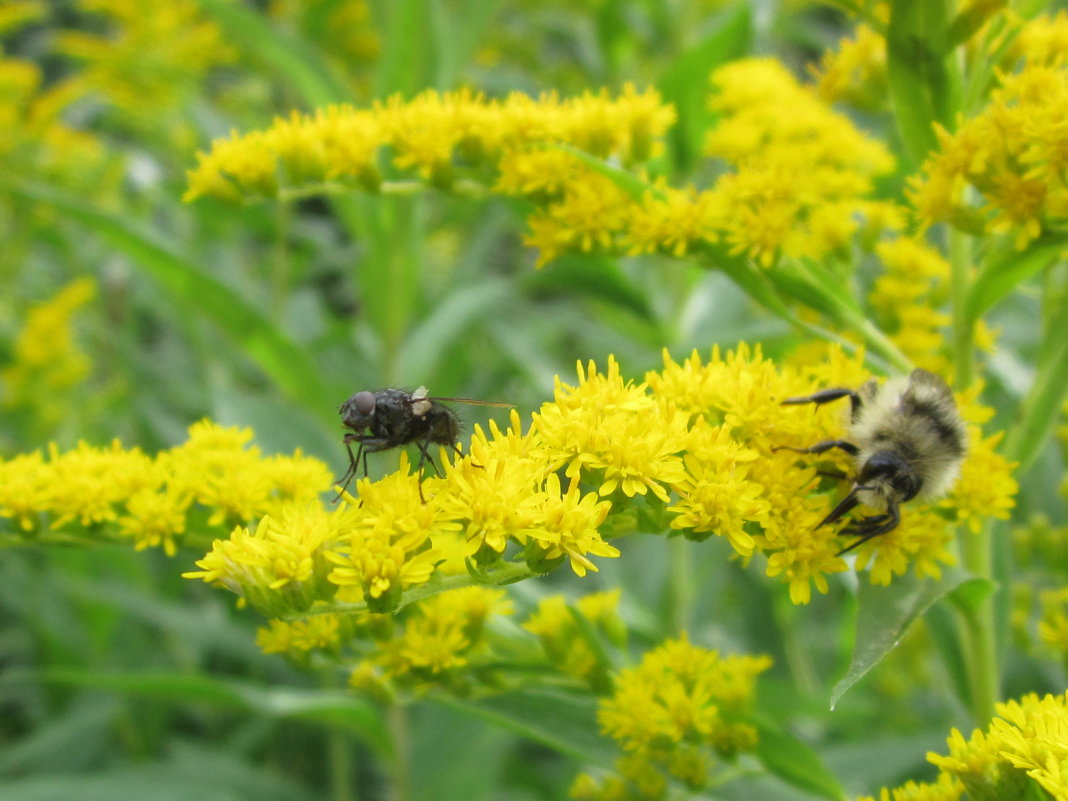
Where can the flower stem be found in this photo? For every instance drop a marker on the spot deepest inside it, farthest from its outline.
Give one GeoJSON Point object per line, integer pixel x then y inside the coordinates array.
{"type": "Point", "coordinates": [979, 619]}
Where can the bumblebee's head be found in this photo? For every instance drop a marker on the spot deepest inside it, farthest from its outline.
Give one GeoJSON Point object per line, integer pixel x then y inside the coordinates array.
{"type": "Point", "coordinates": [889, 474]}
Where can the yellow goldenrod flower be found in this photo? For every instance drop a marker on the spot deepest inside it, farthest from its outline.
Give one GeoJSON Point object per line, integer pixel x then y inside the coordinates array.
{"type": "Point", "coordinates": [155, 518]}
{"type": "Point", "coordinates": [314, 633]}
{"type": "Point", "coordinates": [146, 61]}
{"type": "Point", "coordinates": [87, 484]}
{"type": "Point", "coordinates": [673, 221]}
{"type": "Point", "coordinates": [801, 171]}
{"type": "Point", "coordinates": [986, 487]}
{"type": "Point", "coordinates": [1053, 626]}
{"type": "Point", "coordinates": [566, 646]}
{"type": "Point", "coordinates": [679, 709]}
{"type": "Point", "coordinates": [614, 430]}
{"type": "Point", "coordinates": [282, 566]}
{"type": "Point", "coordinates": [1042, 40]}
{"type": "Point", "coordinates": [716, 496]}
{"type": "Point", "coordinates": [16, 13]}
{"type": "Point", "coordinates": [436, 641]}
{"type": "Point", "coordinates": [946, 788]}
{"type": "Point", "coordinates": [855, 72]}
{"type": "Point", "coordinates": [36, 142]}
{"type": "Point", "coordinates": [588, 218]}
{"type": "Point", "coordinates": [906, 298]}
{"type": "Point", "coordinates": [384, 545]}
{"type": "Point", "coordinates": [567, 525]}
{"type": "Point", "coordinates": [1012, 154]}
{"type": "Point", "coordinates": [1024, 748]}
{"type": "Point", "coordinates": [438, 136]}
{"type": "Point", "coordinates": [47, 360]}
{"type": "Point", "coordinates": [104, 493]}
{"type": "Point", "coordinates": [25, 489]}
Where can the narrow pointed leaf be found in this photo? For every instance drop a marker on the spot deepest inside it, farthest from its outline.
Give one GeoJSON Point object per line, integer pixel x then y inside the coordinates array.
{"type": "Point", "coordinates": [884, 615]}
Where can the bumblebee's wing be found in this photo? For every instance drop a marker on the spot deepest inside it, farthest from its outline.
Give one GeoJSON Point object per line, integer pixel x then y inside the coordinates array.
{"type": "Point", "coordinates": [928, 386]}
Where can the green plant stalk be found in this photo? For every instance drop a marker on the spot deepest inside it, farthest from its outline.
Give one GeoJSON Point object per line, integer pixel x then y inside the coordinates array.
{"type": "Point", "coordinates": [508, 573]}
{"type": "Point", "coordinates": [681, 589]}
{"type": "Point", "coordinates": [979, 621]}
{"type": "Point", "coordinates": [400, 765]}
{"type": "Point", "coordinates": [343, 785]}
{"type": "Point", "coordinates": [963, 345]}
{"type": "Point", "coordinates": [280, 260]}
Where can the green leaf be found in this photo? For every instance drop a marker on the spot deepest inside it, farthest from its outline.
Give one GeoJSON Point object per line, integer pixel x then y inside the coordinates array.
{"type": "Point", "coordinates": [189, 771]}
{"type": "Point", "coordinates": [346, 710]}
{"type": "Point", "coordinates": [624, 179]}
{"type": "Point", "coordinates": [685, 83]}
{"type": "Point", "coordinates": [410, 52]}
{"type": "Point", "coordinates": [968, 22]}
{"type": "Point", "coordinates": [1043, 406]}
{"type": "Point", "coordinates": [945, 628]}
{"type": "Point", "coordinates": [795, 763]}
{"type": "Point", "coordinates": [562, 721]}
{"type": "Point", "coordinates": [919, 72]}
{"type": "Point", "coordinates": [294, 60]}
{"type": "Point", "coordinates": [195, 292]}
{"type": "Point", "coordinates": [884, 615]}
{"type": "Point", "coordinates": [1005, 268]}
{"type": "Point", "coordinates": [452, 317]}
{"type": "Point", "coordinates": [597, 277]}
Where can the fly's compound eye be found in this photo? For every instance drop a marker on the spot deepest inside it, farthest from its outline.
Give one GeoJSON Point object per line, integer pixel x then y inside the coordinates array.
{"type": "Point", "coordinates": [364, 402]}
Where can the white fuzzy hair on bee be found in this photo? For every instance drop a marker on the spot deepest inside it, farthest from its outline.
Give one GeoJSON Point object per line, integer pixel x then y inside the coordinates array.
{"type": "Point", "coordinates": [907, 440]}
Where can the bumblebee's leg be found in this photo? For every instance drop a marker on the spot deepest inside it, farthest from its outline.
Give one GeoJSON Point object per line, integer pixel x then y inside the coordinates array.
{"type": "Point", "coordinates": [833, 474]}
{"type": "Point", "coordinates": [822, 447]}
{"type": "Point", "coordinates": [872, 526]}
{"type": "Point", "coordinates": [826, 396]}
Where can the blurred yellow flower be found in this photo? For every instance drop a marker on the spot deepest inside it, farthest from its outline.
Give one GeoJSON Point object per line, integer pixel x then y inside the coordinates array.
{"type": "Point", "coordinates": [48, 362]}
{"type": "Point", "coordinates": [1013, 154]}
{"type": "Point", "coordinates": [1022, 752]}
{"type": "Point", "coordinates": [678, 710]}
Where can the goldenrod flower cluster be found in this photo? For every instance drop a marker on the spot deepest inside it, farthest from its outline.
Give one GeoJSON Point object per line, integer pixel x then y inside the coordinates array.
{"type": "Point", "coordinates": [34, 139]}
{"type": "Point", "coordinates": [1011, 156]}
{"type": "Point", "coordinates": [567, 644]}
{"type": "Point", "coordinates": [855, 73]}
{"type": "Point", "coordinates": [202, 487]}
{"type": "Point", "coordinates": [441, 641]}
{"type": "Point", "coordinates": [1053, 625]}
{"type": "Point", "coordinates": [144, 62]}
{"type": "Point", "coordinates": [1022, 753]}
{"type": "Point", "coordinates": [802, 173]}
{"type": "Point", "coordinates": [47, 361]}
{"type": "Point", "coordinates": [345, 31]}
{"type": "Point", "coordinates": [440, 137]}
{"type": "Point", "coordinates": [695, 448]}
{"type": "Point", "coordinates": [797, 184]}
{"type": "Point", "coordinates": [675, 715]}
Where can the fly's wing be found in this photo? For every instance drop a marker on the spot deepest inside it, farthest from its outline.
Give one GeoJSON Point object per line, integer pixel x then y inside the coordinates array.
{"type": "Point", "coordinates": [473, 402]}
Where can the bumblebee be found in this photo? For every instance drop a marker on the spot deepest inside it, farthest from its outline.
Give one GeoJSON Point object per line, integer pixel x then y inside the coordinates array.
{"type": "Point", "coordinates": [907, 440]}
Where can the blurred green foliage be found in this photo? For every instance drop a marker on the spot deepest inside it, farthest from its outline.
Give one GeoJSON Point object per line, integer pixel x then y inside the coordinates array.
{"type": "Point", "coordinates": [121, 680]}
